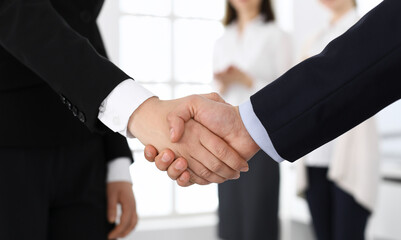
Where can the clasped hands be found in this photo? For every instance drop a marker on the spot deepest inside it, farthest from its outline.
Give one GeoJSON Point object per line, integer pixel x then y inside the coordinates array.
{"type": "Point", "coordinates": [197, 139]}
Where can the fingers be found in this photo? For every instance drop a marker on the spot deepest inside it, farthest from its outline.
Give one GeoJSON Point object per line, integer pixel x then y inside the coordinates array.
{"type": "Point", "coordinates": [132, 224]}
{"type": "Point", "coordinates": [203, 175]}
{"type": "Point", "coordinates": [214, 165]}
{"type": "Point", "coordinates": [121, 193]}
{"type": "Point", "coordinates": [112, 208]}
{"type": "Point", "coordinates": [122, 227]}
{"type": "Point", "coordinates": [165, 159]}
{"type": "Point", "coordinates": [224, 156]}
{"type": "Point", "coordinates": [193, 178]}
{"type": "Point", "coordinates": [184, 179]}
{"type": "Point", "coordinates": [128, 221]}
{"type": "Point", "coordinates": [150, 153]}
{"type": "Point", "coordinates": [177, 168]}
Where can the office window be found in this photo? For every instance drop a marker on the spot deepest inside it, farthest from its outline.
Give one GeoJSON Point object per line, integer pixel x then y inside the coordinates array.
{"type": "Point", "coordinates": [167, 45]}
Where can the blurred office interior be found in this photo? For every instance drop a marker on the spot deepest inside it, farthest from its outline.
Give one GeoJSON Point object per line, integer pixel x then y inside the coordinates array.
{"type": "Point", "coordinates": [167, 45]}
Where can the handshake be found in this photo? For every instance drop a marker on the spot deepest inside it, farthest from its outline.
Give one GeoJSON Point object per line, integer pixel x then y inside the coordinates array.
{"type": "Point", "coordinates": [198, 139]}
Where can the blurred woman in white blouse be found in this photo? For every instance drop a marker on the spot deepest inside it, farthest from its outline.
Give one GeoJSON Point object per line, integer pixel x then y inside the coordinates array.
{"type": "Point", "coordinates": [252, 53]}
{"type": "Point", "coordinates": [340, 179]}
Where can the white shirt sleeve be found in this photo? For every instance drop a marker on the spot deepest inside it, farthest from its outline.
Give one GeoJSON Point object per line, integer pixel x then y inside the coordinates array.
{"type": "Point", "coordinates": [119, 105]}
{"type": "Point", "coordinates": [118, 170]}
{"type": "Point", "coordinates": [257, 131]}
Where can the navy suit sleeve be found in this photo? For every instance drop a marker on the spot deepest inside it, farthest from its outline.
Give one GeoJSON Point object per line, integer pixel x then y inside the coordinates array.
{"type": "Point", "coordinates": [356, 75]}
{"type": "Point", "coordinates": [34, 33]}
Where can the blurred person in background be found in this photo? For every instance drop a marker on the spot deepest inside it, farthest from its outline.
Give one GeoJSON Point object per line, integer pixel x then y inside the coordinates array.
{"type": "Point", "coordinates": [252, 53]}
{"type": "Point", "coordinates": [340, 179]}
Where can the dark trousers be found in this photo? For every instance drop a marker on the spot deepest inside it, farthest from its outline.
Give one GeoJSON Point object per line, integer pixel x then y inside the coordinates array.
{"type": "Point", "coordinates": [53, 193]}
{"type": "Point", "coordinates": [248, 207]}
{"type": "Point", "coordinates": [335, 214]}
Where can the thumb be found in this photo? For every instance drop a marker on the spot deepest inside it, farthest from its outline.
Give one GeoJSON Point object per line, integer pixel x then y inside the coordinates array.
{"type": "Point", "coordinates": [112, 208]}
{"type": "Point", "coordinates": [184, 112]}
{"type": "Point", "coordinates": [177, 119]}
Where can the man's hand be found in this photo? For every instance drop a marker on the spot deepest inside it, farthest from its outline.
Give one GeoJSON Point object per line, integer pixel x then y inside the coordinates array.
{"type": "Point", "coordinates": [211, 111]}
{"type": "Point", "coordinates": [210, 158]}
{"type": "Point", "coordinates": [177, 169]}
{"type": "Point", "coordinates": [219, 117]}
{"type": "Point", "coordinates": [121, 193]}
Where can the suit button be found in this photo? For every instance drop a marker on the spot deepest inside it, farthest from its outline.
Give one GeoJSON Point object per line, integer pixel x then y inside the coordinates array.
{"type": "Point", "coordinates": [69, 105]}
{"type": "Point", "coordinates": [86, 16]}
{"type": "Point", "coordinates": [81, 117]}
{"type": "Point", "coordinates": [74, 111]}
{"type": "Point", "coordinates": [63, 99]}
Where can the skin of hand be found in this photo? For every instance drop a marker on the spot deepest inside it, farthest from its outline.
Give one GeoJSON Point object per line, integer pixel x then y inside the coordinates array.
{"type": "Point", "coordinates": [210, 159]}
{"type": "Point", "coordinates": [121, 193]}
{"type": "Point", "coordinates": [212, 112]}
{"type": "Point", "coordinates": [232, 75]}
{"type": "Point", "coordinates": [176, 169]}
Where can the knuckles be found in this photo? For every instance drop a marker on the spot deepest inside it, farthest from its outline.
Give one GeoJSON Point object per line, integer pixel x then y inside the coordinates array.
{"type": "Point", "coordinates": [217, 167]}
{"type": "Point", "coordinates": [205, 173]}
{"type": "Point", "coordinates": [221, 151]}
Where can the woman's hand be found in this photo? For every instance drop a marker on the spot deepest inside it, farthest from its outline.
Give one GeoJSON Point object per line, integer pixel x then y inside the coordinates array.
{"type": "Point", "coordinates": [233, 75]}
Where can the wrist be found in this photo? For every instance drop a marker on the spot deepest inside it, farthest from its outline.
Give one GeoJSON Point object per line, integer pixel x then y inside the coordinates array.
{"type": "Point", "coordinates": [244, 136]}
{"type": "Point", "coordinates": [150, 105]}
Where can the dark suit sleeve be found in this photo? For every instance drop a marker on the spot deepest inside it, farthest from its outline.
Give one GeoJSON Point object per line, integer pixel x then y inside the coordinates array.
{"type": "Point", "coordinates": [34, 33]}
{"type": "Point", "coordinates": [356, 76]}
{"type": "Point", "coordinates": [116, 146]}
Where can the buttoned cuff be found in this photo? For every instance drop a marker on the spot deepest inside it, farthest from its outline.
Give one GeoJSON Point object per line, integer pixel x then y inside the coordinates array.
{"type": "Point", "coordinates": [119, 105]}
{"type": "Point", "coordinates": [118, 170]}
{"type": "Point", "coordinates": [257, 131]}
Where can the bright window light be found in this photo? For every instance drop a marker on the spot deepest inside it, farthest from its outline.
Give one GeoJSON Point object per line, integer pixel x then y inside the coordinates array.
{"type": "Point", "coordinates": [153, 189]}
{"type": "Point", "coordinates": [146, 7]}
{"type": "Point", "coordinates": [145, 48]}
{"type": "Point", "coordinates": [171, 53]}
{"type": "Point", "coordinates": [210, 9]}
{"type": "Point", "coordinates": [193, 43]}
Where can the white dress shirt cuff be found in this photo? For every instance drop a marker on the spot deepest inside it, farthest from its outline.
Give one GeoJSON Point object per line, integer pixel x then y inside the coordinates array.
{"type": "Point", "coordinates": [118, 170]}
{"type": "Point", "coordinates": [257, 130]}
{"type": "Point", "coordinates": [119, 105]}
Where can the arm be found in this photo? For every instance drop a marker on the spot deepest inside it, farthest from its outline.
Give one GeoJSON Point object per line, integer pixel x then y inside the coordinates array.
{"type": "Point", "coordinates": [34, 33]}
{"type": "Point", "coordinates": [119, 186]}
{"type": "Point", "coordinates": [356, 76]}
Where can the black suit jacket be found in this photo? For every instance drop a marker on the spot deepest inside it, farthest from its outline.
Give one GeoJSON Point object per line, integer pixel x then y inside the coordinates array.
{"type": "Point", "coordinates": [54, 74]}
{"type": "Point", "coordinates": [356, 75]}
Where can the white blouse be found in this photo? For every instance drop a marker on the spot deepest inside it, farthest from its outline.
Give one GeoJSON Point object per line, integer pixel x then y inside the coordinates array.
{"type": "Point", "coordinates": [262, 51]}
{"type": "Point", "coordinates": [322, 156]}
